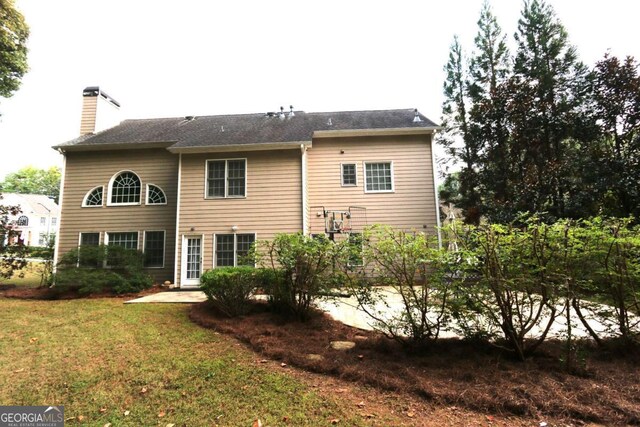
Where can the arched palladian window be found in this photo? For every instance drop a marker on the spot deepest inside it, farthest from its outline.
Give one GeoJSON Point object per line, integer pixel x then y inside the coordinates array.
{"type": "Point", "coordinates": [155, 195]}
{"type": "Point", "coordinates": [124, 189]}
{"type": "Point", "coordinates": [94, 197]}
{"type": "Point", "coordinates": [23, 221]}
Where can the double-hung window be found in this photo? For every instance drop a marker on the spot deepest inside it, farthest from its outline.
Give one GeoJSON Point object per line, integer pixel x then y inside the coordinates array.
{"type": "Point", "coordinates": [128, 240]}
{"type": "Point", "coordinates": [378, 177]}
{"type": "Point", "coordinates": [232, 249]}
{"type": "Point", "coordinates": [154, 249]}
{"type": "Point", "coordinates": [226, 178]}
{"type": "Point", "coordinates": [349, 175]}
{"type": "Point", "coordinates": [88, 253]}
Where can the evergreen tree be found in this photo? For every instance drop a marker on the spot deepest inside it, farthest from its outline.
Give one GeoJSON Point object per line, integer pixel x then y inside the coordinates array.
{"type": "Point", "coordinates": [457, 137]}
{"type": "Point", "coordinates": [489, 68]}
{"type": "Point", "coordinates": [543, 111]}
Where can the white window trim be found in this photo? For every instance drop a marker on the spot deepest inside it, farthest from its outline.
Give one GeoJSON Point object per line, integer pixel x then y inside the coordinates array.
{"type": "Point", "coordinates": [164, 246]}
{"type": "Point", "coordinates": [342, 174]}
{"type": "Point", "coordinates": [235, 247]}
{"type": "Point", "coordinates": [147, 195]}
{"type": "Point", "coordinates": [110, 189]}
{"type": "Point", "coordinates": [393, 181]}
{"type": "Point", "coordinates": [106, 236]}
{"type": "Point", "coordinates": [226, 171]}
{"type": "Point", "coordinates": [84, 200]}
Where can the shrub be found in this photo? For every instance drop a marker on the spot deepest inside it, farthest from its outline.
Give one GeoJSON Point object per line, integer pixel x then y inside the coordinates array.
{"type": "Point", "coordinates": [93, 269]}
{"type": "Point", "coordinates": [301, 272]}
{"type": "Point", "coordinates": [230, 288]}
{"type": "Point", "coordinates": [417, 271]}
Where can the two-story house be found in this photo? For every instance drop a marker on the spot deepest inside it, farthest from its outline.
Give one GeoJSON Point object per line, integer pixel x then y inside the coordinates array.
{"type": "Point", "coordinates": [37, 220]}
{"type": "Point", "coordinates": [193, 193]}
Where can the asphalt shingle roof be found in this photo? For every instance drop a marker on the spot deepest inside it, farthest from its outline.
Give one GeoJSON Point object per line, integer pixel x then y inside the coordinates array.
{"type": "Point", "coordinates": [239, 129]}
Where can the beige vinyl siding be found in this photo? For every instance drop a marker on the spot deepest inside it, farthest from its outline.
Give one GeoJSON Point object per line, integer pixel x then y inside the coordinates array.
{"type": "Point", "coordinates": [86, 170]}
{"type": "Point", "coordinates": [88, 118]}
{"type": "Point", "coordinates": [410, 206]}
{"type": "Point", "coordinates": [273, 202]}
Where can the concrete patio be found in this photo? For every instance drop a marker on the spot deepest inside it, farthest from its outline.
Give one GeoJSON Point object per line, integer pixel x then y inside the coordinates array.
{"type": "Point", "coordinates": [346, 311]}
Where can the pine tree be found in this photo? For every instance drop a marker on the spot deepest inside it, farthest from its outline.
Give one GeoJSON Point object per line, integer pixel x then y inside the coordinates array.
{"type": "Point", "coordinates": [543, 109]}
{"type": "Point", "coordinates": [457, 137]}
{"type": "Point", "coordinates": [489, 69]}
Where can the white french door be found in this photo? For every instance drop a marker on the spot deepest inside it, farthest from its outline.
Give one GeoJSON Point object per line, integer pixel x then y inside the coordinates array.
{"type": "Point", "coordinates": [191, 261]}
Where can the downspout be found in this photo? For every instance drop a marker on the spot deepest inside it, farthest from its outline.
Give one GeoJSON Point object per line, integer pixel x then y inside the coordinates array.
{"type": "Point", "coordinates": [175, 255]}
{"type": "Point", "coordinates": [56, 249]}
{"type": "Point", "coordinates": [435, 189]}
{"type": "Point", "coordinates": [305, 202]}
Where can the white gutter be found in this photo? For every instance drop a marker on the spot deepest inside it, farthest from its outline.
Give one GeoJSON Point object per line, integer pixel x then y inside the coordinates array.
{"type": "Point", "coordinates": [239, 147]}
{"type": "Point", "coordinates": [435, 188]}
{"type": "Point", "coordinates": [175, 258]}
{"type": "Point", "coordinates": [56, 250]}
{"type": "Point", "coordinates": [374, 132]}
{"type": "Point", "coordinates": [305, 202]}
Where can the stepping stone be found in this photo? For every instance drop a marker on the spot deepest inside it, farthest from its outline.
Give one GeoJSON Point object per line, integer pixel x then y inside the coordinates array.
{"type": "Point", "coordinates": [342, 345]}
{"type": "Point", "coordinates": [315, 357]}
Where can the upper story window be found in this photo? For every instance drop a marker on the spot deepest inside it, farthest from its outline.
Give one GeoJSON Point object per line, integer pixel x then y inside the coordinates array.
{"type": "Point", "coordinates": [125, 189]}
{"type": "Point", "coordinates": [155, 195]}
{"type": "Point", "coordinates": [349, 175]}
{"type": "Point", "coordinates": [54, 221]}
{"type": "Point", "coordinates": [226, 178]}
{"type": "Point", "coordinates": [378, 177]}
{"type": "Point", "coordinates": [43, 220]}
{"type": "Point", "coordinates": [93, 197]}
{"type": "Point", "coordinates": [23, 221]}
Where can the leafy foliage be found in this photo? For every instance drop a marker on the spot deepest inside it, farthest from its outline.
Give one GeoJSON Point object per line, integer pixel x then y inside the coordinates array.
{"type": "Point", "coordinates": [94, 269]}
{"type": "Point", "coordinates": [30, 180]}
{"type": "Point", "coordinates": [13, 254]}
{"type": "Point", "coordinates": [536, 131]}
{"type": "Point", "coordinates": [14, 33]}
{"type": "Point", "coordinates": [230, 288]}
{"type": "Point", "coordinates": [301, 271]}
{"type": "Point", "coordinates": [418, 273]}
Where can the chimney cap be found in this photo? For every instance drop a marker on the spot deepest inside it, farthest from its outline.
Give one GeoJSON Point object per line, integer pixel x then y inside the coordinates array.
{"type": "Point", "coordinates": [95, 91]}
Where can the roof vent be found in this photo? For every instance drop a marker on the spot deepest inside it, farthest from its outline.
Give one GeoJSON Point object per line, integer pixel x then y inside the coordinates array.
{"type": "Point", "coordinates": [270, 114]}
{"type": "Point", "coordinates": [221, 128]}
{"type": "Point", "coordinates": [189, 118]}
{"type": "Point", "coordinates": [281, 115]}
{"type": "Point", "coordinates": [291, 113]}
{"type": "Point", "coordinates": [329, 122]}
{"type": "Point", "coordinates": [416, 117]}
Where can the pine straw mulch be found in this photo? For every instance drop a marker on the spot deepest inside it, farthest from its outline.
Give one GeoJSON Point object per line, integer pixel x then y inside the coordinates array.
{"type": "Point", "coordinates": [451, 372]}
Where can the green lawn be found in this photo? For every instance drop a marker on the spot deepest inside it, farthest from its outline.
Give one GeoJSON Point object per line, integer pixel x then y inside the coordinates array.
{"type": "Point", "coordinates": [100, 358]}
{"type": "Point", "coordinates": [31, 277]}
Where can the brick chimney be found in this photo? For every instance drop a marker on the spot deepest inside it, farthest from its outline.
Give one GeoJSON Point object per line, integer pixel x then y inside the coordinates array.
{"type": "Point", "coordinates": [99, 111]}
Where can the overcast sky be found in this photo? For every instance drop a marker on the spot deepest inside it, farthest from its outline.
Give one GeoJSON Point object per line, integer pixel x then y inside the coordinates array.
{"type": "Point", "coordinates": [189, 57]}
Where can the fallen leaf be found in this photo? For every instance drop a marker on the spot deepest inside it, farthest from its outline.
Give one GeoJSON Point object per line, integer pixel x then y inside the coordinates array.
{"type": "Point", "coordinates": [126, 413]}
{"type": "Point", "coordinates": [489, 418]}
{"type": "Point", "coordinates": [107, 425]}
{"type": "Point", "coordinates": [80, 418]}
{"type": "Point", "coordinates": [360, 404]}
{"type": "Point", "coordinates": [264, 361]}
{"type": "Point", "coordinates": [170, 425]}
{"type": "Point", "coordinates": [411, 414]}
{"type": "Point", "coordinates": [285, 419]}
{"type": "Point", "coordinates": [103, 410]}
{"type": "Point", "coordinates": [543, 424]}
{"type": "Point", "coordinates": [341, 390]}
{"type": "Point", "coordinates": [161, 414]}
{"type": "Point", "coordinates": [143, 390]}
{"type": "Point", "coordinates": [284, 365]}
{"type": "Point", "coordinates": [17, 371]}
{"type": "Point", "coordinates": [184, 394]}
{"type": "Point", "coordinates": [335, 421]}
{"type": "Point", "coordinates": [361, 356]}
{"type": "Point", "coordinates": [257, 423]}
{"type": "Point", "coordinates": [32, 340]}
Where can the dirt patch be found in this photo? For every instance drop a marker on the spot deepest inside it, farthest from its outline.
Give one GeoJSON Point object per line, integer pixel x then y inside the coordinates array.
{"type": "Point", "coordinates": [46, 293]}
{"type": "Point", "coordinates": [451, 372]}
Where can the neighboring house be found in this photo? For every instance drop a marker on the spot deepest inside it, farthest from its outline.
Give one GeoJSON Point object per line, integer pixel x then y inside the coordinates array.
{"type": "Point", "coordinates": [193, 193]}
{"type": "Point", "coordinates": [37, 221]}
